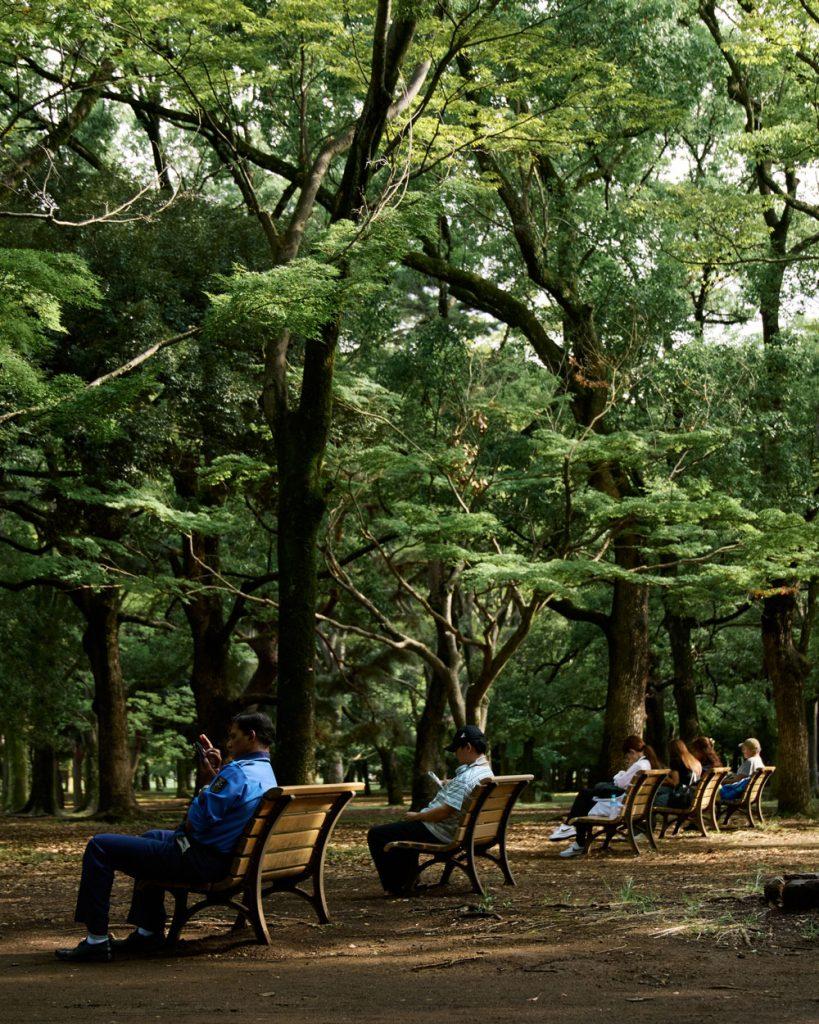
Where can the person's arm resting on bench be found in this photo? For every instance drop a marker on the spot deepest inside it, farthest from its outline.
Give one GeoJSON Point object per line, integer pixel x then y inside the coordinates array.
{"type": "Point", "coordinates": [439, 813]}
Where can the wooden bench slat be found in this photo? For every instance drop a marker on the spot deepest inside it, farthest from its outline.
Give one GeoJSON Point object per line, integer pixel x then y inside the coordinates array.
{"type": "Point", "coordinates": [287, 858]}
{"type": "Point", "coordinates": [298, 822]}
{"type": "Point", "coordinates": [488, 817]}
{"type": "Point", "coordinates": [291, 840]}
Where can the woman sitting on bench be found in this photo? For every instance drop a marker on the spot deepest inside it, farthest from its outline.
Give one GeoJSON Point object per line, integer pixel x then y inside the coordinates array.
{"type": "Point", "coordinates": [703, 749]}
{"type": "Point", "coordinates": [639, 757]}
{"type": "Point", "coordinates": [685, 772]}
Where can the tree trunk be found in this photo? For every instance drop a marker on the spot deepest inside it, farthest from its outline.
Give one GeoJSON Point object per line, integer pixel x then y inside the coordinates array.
{"type": "Point", "coordinates": [787, 669]}
{"type": "Point", "coordinates": [679, 629]}
{"type": "Point", "coordinates": [628, 647]}
{"type": "Point", "coordinates": [429, 742]}
{"type": "Point", "coordinates": [656, 729]}
{"type": "Point", "coordinates": [813, 741]}
{"type": "Point", "coordinates": [91, 787]}
{"type": "Point", "coordinates": [390, 776]}
{"type": "Point", "coordinates": [184, 789]}
{"type": "Point", "coordinates": [15, 773]}
{"type": "Point", "coordinates": [76, 774]}
{"type": "Point", "coordinates": [42, 798]}
{"type": "Point", "coordinates": [100, 641]}
{"type": "Point", "coordinates": [261, 688]}
{"type": "Point", "coordinates": [211, 644]}
{"type": "Point", "coordinates": [301, 438]}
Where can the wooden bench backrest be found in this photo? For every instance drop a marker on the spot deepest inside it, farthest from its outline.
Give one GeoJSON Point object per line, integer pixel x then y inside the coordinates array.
{"type": "Point", "coordinates": [708, 787]}
{"type": "Point", "coordinates": [292, 824]}
{"type": "Point", "coordinates": [753, 790]}
{"type": "Point", "coordinates": [641, 792]}
{"type": "Point", "coordinates": [489, 806]}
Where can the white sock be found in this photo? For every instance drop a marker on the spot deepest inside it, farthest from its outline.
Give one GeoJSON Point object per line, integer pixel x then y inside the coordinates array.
{"type": "Point", "coordinates": [145, 932]}
{"type": "Point", "coordinates": [93, 940]}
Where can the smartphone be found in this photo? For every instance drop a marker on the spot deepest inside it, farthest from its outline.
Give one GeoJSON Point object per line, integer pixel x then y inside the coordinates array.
{"type": "Point", "coordinates": [199, 750]}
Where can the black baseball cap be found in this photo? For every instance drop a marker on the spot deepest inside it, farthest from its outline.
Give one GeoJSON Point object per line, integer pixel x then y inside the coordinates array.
{"type": "Point", "coordinates": [469, 734]}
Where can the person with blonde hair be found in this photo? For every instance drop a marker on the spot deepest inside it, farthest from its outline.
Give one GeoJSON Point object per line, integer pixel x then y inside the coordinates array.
{"type": "Point", "coordinates": [735, 784]}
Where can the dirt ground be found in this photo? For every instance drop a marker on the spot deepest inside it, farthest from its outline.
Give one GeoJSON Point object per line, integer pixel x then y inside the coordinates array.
{"type": "Point", "coordinates": [682, 935]}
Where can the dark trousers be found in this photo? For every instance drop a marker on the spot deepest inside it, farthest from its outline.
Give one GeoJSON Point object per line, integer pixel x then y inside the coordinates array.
{"type": "Point", "coordinates": [583, 803]}
{"type": "Point", "coordinates": [153, 856]}
{"type": "Point", "coordinates": [397, 868]}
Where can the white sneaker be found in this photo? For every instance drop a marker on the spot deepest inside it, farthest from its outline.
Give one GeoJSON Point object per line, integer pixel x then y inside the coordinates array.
{"type": "Point", "coordinates": [572, 851]}
{"type": "Point", "coordinates": [563, 831]}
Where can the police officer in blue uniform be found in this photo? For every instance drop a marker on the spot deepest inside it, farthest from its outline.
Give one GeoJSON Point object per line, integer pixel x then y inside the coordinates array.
{"type": "Point", "coordinates": [198, 851]}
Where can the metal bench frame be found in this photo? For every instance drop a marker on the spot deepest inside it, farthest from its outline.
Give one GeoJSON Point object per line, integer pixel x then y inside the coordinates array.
{"type": "Point", "coordinates": [749, 802]}
{"type": "Point", "coordinates": [625, 826]}
{"type": "Point", "coordinates": [703, 809]}
{"type": "Point", "coordinates": [463, 853]}
{"type": "Point", "coordinates": [244, 888]}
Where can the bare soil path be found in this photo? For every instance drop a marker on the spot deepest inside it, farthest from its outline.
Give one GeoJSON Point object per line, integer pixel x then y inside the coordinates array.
{"type": "Point", "coordinates": [679, 936]}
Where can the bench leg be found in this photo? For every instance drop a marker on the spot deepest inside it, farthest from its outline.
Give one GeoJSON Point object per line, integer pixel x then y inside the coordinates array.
{"type": "Point", "coordinates": [714, 822]}
{"type": "Point", "coordinates": [503, 863]}
{"type": "Point", "coordinates": [650, 835]}
{"type": "Point", "coordinates": [319, 900]}
{"type": "Point", "coordinates": [449, 867]}
{"type": "Point", "coordinates": [471, 869]}
{"type": "Point", "coordinates": [180, 916]}
{"type": "Point", "coordinates": [700, 823]}
{"type": "Point", "coordinates": [253, 901]}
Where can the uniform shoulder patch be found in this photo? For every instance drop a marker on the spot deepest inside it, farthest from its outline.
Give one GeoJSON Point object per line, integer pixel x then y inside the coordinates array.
{"type": "Point", "coordinates": [218, 784]}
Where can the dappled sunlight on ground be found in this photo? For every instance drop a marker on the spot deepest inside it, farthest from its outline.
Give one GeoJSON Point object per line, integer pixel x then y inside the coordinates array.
{"type": "Point", "coordinates": [682, 932]}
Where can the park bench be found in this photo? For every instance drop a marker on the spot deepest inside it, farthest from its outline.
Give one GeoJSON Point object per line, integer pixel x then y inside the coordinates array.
{"type": "Point", "coordinates": [635, 816]}
{"type": "Point", "coordinates": [482, 827]}
{"type": "Point", "coordinates": [282, 846]}
{"type": "Point", "coordinates": [749, 802]}
{"type": "Point", "coordinates": [703, 807]}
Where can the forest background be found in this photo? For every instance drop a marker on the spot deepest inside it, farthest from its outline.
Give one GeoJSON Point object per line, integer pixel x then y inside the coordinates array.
{"type": "Point", "coordinates": [395, 365]}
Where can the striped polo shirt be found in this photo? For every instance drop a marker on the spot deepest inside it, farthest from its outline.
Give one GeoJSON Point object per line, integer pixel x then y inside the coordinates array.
{"type": "Point", "coordinates": [453, 794]}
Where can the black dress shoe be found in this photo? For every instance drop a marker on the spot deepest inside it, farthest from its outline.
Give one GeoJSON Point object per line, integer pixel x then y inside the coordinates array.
{"type": "Point", "coordinates": [87, 953]}
{"type": "Point", "coordinates": [139, 945]}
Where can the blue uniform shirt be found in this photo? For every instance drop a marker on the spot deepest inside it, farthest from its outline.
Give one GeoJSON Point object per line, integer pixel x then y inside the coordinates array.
{"type": "Point", "coordinates": [223, 807]}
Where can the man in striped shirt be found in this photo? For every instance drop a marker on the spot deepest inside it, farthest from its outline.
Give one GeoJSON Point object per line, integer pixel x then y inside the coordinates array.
{"type": "Point", "coordinates": [436, 823]}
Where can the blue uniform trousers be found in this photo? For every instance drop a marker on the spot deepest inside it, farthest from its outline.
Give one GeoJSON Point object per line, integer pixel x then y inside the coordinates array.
{"type": "Point", "coordinates": [153, 856]}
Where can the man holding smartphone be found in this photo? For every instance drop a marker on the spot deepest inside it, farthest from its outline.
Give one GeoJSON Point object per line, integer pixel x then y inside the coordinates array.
{"type": "Point", "coordinates": [199, 851]}
{"type": "Point", "coordinates": [437, 822]}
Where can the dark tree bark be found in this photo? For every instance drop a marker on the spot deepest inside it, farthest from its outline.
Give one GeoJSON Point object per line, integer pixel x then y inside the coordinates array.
{"type": "Point", "coordinates": [429, 742]}
{"type": "Point", "coordinates": [43, 799]}
{"type": "Point", "coordinates": [100, 609]}
{"type": "Point", "coordinates": [77, 758]}
{"type": "Point", "coordinates": [390, 775]}
{"type": "Point", "coordinates": [656, 734]}
{"type": "Point", "coordinates": [813, 744]}
{"type": "Point", "coordinates": [211, 641]}
{"type": "Point", "coordinates": [90, 770]}
{"type": "Point", "coordinates": [15, 771]}
{"type": "Point", "coordinates": [679, 628]}
{"type": "Point", "coordinates": [629, 657]}
{"type": "Point", "coordinates": [301, 437]}
{"type": "Point", "coordinates": [787, 668]}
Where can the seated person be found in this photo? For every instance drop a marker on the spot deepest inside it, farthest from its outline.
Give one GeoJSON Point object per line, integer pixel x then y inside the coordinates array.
{"type": "Point", "coordinates": [685, 772]}
{"type": "Point", "coordinates": [436, 823]}
{"type": "Point", "coordinates": [735, 784]}
{"type": "Point", "coordinates": [703, 749]}
{"type": "Point", "coordinates": [199, 851]}
{"type": "Point", "coordinates": [639, 756]}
